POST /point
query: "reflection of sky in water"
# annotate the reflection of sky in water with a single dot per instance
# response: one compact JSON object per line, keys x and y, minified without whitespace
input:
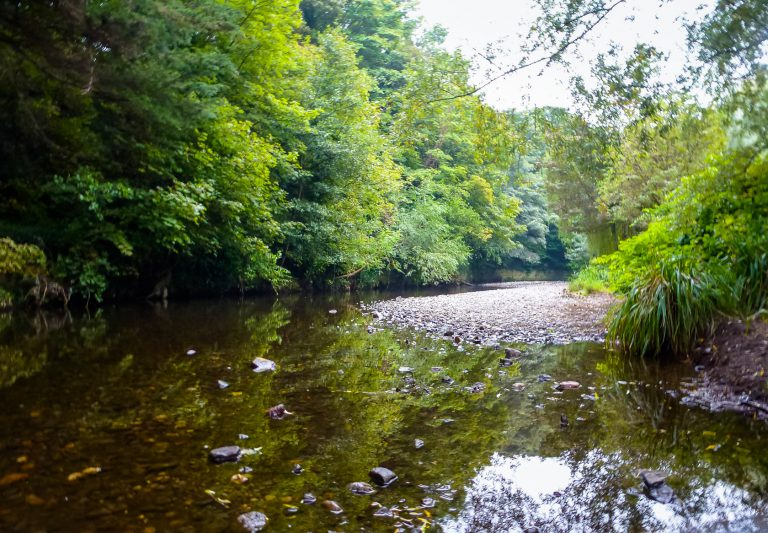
{"x":595,"y":492}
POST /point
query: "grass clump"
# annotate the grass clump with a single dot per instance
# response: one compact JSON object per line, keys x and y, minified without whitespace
{"x":666,"y":311}
{"x":592,"y":278}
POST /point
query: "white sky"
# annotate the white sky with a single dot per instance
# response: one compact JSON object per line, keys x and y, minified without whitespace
{"x":473,"y":24}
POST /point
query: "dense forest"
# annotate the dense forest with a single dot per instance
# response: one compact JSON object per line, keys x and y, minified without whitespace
{"x":216,"y":146}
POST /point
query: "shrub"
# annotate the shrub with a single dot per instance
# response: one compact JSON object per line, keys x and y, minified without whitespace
{"x":703,"y":255}
{"x":592,"y":278}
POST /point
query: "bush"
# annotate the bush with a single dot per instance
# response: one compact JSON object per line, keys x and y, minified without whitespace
{"x":703,"y":255}
{"x":19,"y":265}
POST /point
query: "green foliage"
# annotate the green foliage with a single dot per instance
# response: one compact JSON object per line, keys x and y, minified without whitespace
{"x":20,"y":264}
{"x":576,"y":160}
{"x":654,"y":154}
{"x":666,"y":310}
{"x":217,"y":146}
{"x":705,"y":254}
{"x":731,"y":39}
{"x":591,"y":278}
{"x":23,"y":260}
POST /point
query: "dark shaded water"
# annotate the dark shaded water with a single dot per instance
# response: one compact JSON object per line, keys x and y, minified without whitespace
{"x":117,"y":392}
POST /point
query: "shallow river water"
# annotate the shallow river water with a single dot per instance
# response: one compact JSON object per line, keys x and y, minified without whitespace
{"x":106,"y":425}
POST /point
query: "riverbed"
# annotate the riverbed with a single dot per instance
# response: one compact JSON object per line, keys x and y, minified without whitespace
{"x":109,"y":419}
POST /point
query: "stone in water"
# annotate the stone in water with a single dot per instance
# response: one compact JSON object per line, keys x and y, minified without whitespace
{"x":253,"y":521}
{"x":263,"y":365}
{"x":382,"y":476}
{"x":225,"y":454}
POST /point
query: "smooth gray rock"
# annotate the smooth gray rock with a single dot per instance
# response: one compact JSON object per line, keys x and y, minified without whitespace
{"x":653,"y":478}
{"x":225,"y":454}
{"x":382,"y":476}
{"x":662,"y":494}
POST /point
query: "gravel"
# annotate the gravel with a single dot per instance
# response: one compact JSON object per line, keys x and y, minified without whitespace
{"x":526,"y":312}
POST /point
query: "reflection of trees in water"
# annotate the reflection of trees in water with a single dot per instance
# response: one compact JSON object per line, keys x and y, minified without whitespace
{"x":602,"y":495}
{"x":24,"y":340}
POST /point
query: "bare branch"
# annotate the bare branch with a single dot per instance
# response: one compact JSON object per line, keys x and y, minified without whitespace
{"x":603,"y":13}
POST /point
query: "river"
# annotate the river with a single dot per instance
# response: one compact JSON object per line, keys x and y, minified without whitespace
{"x":108,"y":420}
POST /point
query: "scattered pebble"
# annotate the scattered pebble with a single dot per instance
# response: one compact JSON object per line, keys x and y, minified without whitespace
{"x":524,"y":312}
{"x":253,"y":521}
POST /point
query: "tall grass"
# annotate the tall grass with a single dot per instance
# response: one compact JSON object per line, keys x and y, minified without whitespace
{"x":749,"y":292}
{"x":667,"y":310}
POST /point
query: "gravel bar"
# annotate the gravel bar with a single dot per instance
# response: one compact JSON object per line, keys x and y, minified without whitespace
{"x":526,"y":312}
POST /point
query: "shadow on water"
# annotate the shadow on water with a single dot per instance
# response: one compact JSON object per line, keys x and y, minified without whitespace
{"x":107,"y":422}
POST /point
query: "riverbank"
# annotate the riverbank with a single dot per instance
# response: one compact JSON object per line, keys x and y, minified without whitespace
{"x":521,"y":312}
{"x":732,"y":367}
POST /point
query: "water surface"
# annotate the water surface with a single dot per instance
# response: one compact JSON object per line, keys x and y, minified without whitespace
{"x":107,"y":422}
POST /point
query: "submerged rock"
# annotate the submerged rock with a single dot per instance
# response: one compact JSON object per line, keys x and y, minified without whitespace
{"x":239,"y":479}
{"x":418,"y":444}
{"x":545,"y":377}
{"x":263,"y":365}
{"x":191,"y":352}
{"x":222,"y":384}
{"x":253,"y":521}
{"x":653,"y":478}
{"x":308,"y":498}
{"x":297,"y":469}
{"x":662,"y":494}
{"x":656,"y":487}
{"x":428,"y":503}
{"x":333,"y":507}
{"x":568,"y":385}
{"x":382,"y":476}
{"x":475,"y":388}
{"x":384,"y":512}
{"x":361,"y":488}
{"x":518,"y":387}
{"x":278,"y":412}
{"x":225,"y":454}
